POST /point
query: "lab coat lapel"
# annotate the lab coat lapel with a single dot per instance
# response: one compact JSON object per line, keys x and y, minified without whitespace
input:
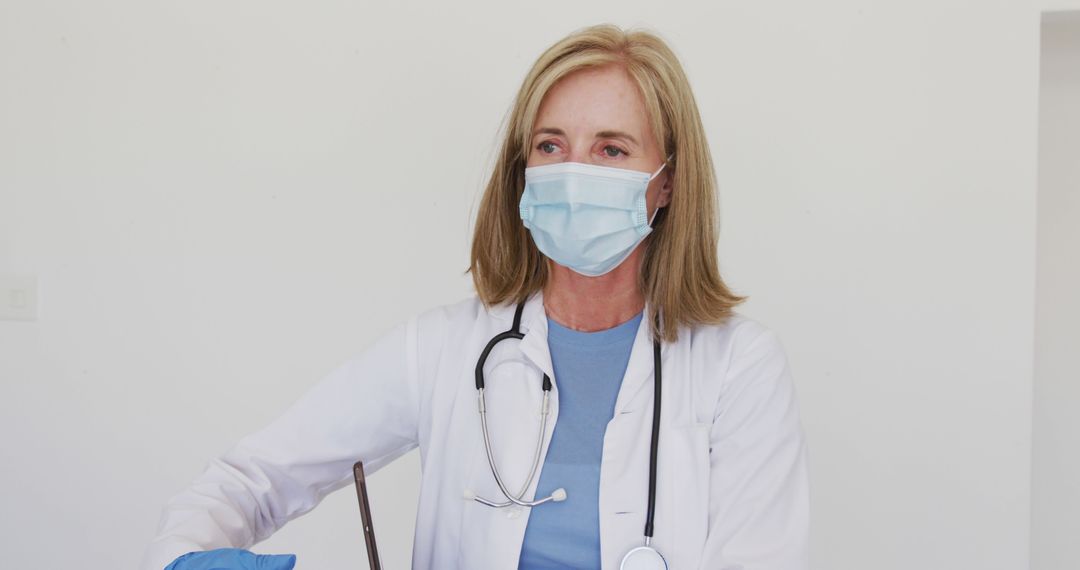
{"x":535,"y":344}
{"x":504,"y":529}
{"x":624,"y":473}
{"x":639,"y":368}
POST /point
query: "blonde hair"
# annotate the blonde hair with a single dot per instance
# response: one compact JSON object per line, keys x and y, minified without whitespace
{"x":679,"y":272}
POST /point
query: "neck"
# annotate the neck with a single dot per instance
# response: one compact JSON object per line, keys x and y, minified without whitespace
{"x":591,"y":304}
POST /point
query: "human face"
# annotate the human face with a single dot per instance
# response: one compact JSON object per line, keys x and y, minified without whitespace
{"x":597,"y":116}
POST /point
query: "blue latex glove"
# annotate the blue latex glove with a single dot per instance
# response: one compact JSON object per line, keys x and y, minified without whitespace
{"x":232,"y":559}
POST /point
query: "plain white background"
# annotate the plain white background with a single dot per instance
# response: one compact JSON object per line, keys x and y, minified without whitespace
{"x":222,"y":201}
{"x":1055,"y":499}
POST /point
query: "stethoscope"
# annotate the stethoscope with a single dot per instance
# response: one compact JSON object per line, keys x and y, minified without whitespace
{"x":643,"y":557}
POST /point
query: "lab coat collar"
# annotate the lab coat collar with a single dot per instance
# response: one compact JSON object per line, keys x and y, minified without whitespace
{"x":534,"y":346}
{"x":534,"y":324}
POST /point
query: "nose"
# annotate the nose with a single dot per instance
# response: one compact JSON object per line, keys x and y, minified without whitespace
{"x":578,"y":154}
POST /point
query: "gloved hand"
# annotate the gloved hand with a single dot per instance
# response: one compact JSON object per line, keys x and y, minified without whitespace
{"x":232,"y":559}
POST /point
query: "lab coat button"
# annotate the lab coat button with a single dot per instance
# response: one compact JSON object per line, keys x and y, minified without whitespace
{"x":514,"y":512}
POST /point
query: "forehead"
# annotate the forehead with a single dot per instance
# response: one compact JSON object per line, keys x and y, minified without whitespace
{"x":594,"y":98}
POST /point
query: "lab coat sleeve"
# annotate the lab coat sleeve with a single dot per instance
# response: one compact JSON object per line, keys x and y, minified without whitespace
{"x":365,"y":409}
{"x":759,"y":488}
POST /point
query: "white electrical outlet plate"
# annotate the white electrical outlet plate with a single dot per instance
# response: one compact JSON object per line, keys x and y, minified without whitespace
{"x":18,"y":297}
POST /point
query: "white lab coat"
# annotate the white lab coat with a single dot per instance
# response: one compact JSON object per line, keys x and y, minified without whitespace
{"x":732,"y":484}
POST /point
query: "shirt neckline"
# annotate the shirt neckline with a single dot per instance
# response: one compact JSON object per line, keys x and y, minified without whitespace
{"x":618,"y":333}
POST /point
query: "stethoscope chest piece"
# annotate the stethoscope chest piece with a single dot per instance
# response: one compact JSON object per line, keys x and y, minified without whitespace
{"x":643,"y":558}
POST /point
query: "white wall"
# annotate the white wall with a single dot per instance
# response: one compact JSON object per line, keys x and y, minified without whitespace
{"x":1056,"y":424}
{"x":224,"y":200}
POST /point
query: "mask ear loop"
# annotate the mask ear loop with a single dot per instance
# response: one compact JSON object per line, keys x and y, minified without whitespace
{"x":657,"y":210}
{"x":654,"y":174}
{"x":653,"y":217}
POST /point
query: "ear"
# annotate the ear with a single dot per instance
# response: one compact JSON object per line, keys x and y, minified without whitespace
{"x":664,"y":197}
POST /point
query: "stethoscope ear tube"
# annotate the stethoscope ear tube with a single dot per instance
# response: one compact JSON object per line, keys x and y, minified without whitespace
{"x":559,"y":494}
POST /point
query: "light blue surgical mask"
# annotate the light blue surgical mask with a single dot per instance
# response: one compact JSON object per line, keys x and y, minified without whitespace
{"x":586,"y":217}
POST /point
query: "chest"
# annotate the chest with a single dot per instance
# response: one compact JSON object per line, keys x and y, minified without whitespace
{"x":456,"y":461}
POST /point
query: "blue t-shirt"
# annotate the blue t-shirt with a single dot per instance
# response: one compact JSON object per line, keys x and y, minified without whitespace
{"x":589,"y":368}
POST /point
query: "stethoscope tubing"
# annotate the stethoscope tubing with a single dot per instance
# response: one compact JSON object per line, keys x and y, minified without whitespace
{"x":654,"y":446}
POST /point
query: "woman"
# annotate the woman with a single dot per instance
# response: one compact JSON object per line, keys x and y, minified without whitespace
{"x":596,"y":240}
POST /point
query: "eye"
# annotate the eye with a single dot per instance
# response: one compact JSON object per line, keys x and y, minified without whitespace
{"x":613,"y":151}
{"x":546,"y":147}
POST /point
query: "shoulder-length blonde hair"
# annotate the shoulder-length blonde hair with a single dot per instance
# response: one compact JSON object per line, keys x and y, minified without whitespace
{"x":679,"y":271}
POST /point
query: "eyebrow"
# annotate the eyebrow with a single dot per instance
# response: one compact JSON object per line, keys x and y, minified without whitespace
{"x":600,"y":134}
